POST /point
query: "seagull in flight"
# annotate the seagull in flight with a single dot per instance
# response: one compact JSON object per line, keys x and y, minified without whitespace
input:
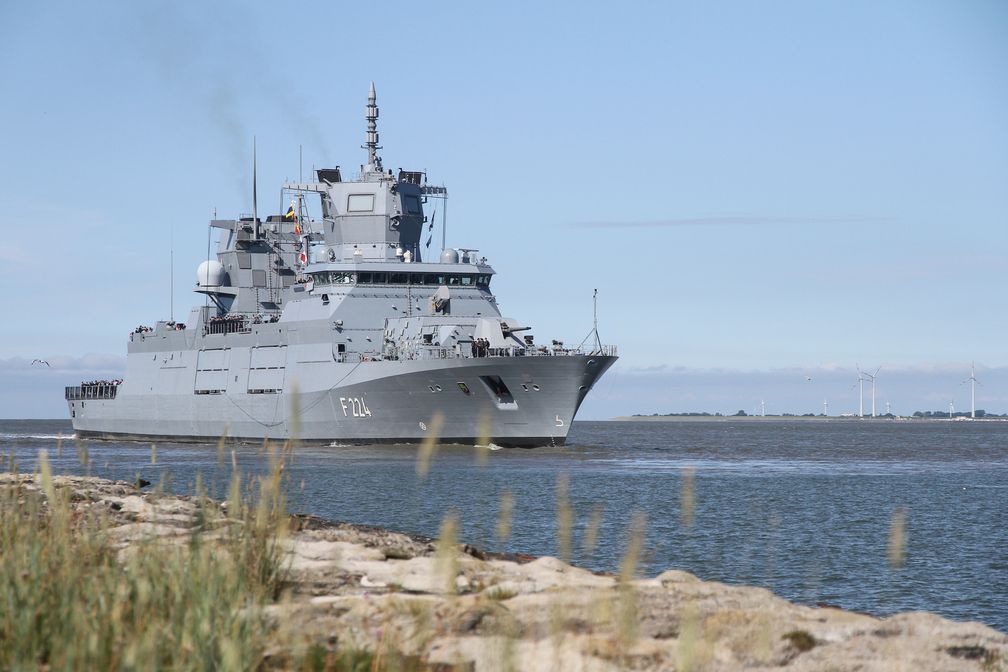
{"x":40,"y":362}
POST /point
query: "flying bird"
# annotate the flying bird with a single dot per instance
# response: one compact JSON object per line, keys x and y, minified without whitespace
{"x":808,"y":378}
{"x":40,"y":362}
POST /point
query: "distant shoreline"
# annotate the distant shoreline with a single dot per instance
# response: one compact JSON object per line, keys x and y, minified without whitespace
{"x":790,"y":418}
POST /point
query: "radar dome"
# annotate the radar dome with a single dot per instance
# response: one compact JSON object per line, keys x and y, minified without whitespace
{"x":449,"y":256}
{"x":210,"y":274}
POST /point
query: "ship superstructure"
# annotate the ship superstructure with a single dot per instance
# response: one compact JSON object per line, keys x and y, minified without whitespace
{"x":339,"y":328}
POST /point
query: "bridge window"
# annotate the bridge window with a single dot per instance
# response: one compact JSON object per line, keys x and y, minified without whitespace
{"x":360,"y":203}
{"x":467,"y":280}
{"x":342,"y":277}
{"x":364,"y":278}
{"x":398,"y":278}
{"x":379,"y":278}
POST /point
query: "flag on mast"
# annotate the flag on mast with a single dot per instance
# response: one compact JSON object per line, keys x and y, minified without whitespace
{"x":291,"y":215}
{"x":430,"y":227}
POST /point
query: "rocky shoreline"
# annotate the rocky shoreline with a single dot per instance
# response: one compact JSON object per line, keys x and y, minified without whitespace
{"x":416,"y":603}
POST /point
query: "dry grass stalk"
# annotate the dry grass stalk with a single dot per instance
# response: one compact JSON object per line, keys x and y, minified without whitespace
{"x":504,"y":515}
{"x":447,"y":565}
{"x":564,"y":517}
{"x":687,"y":504}
{"x":627,"y":608}
{"x":897,"y":538}
{"x":483,"y":440}
{"x":591,"y":533}
{"x":428,"y":447}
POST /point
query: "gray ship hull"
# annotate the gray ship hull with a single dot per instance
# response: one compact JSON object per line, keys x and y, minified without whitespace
{"x":365,"y":402}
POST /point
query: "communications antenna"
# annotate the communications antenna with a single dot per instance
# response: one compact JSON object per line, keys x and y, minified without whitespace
{"x":594,"y":330}
{"x":255,"y":209}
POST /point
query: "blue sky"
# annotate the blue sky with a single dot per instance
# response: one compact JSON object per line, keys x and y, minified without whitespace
{"x":758,"y":190}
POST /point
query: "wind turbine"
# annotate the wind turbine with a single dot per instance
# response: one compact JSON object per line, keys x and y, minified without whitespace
{"x":871,"y":377}
{"x":860,"y":384}
{"x":973,"y":383}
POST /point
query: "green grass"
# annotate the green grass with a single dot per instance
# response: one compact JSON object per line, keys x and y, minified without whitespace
{"x":68,"y":600}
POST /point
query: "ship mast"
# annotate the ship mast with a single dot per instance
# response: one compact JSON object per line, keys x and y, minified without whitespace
{"x":371,"y":138}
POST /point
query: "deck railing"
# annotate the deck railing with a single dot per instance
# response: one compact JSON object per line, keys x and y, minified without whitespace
{"x":96,"y":391}
{"x":437,"y":352}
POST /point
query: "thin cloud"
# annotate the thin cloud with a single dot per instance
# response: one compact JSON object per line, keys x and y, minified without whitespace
{"x":737,"y":220}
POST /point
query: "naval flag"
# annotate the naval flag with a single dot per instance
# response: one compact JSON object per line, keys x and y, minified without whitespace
{"x":430,"y":227}
{"x":291,"y":215}
{"x":303,"y":251}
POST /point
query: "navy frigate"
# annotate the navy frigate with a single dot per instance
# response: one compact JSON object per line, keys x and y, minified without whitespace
{"x":337,"y":329}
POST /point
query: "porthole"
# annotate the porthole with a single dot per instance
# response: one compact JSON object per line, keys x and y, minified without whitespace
{"x":591,"y":362}
{"x":536,"y":387}
{"x":525,"y":387}
{"x":437,"y":387}
{"x":462,"y":386}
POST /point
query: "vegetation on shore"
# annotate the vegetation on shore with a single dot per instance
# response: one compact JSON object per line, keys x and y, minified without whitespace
{"x":73,"y":597}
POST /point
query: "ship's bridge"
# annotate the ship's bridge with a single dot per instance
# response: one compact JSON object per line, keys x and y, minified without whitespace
{"x":428,"y":275}
{"x":372,"y":218}
{"x":375,"y":216}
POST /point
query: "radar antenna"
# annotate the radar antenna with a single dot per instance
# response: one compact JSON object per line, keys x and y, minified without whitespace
{"x":371,"y":138}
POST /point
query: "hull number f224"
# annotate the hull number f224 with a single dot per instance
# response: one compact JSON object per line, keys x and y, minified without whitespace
{"x":354,"y":407}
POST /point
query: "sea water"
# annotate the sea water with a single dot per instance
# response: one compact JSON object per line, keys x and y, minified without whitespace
{"x":804,"y":508}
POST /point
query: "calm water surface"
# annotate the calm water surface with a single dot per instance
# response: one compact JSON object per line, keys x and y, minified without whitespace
{"x":801,"y":508}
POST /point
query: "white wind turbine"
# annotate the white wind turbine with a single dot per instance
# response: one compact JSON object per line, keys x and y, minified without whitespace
{"x":860,"y":384}
{"x":973,"y":383}
{"x":871,"y":377}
